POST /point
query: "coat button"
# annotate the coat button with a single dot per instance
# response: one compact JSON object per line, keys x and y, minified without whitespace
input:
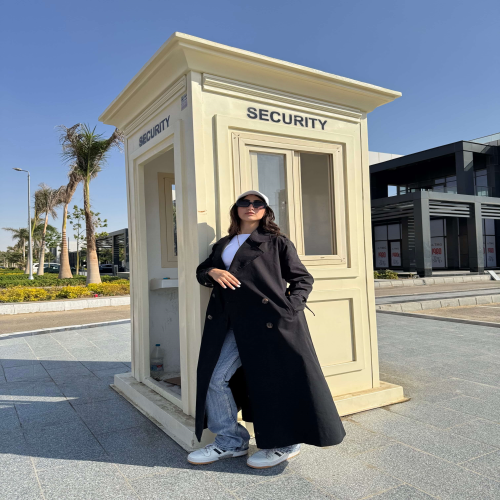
{"x":269,"y":325}
{"x":209,"y":317}
{"x":213,"y":294}
{"x":265,"y":301}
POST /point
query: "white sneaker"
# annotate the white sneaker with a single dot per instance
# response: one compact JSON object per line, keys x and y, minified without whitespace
{"x":264,"y":459}
{"x":212,"y":453}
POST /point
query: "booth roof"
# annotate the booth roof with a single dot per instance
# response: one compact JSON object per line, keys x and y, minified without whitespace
{"x":182,"y":53}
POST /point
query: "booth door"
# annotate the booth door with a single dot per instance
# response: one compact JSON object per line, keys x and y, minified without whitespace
{"x":307,"y":189}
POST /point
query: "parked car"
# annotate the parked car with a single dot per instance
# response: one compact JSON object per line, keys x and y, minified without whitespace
{"x":108,"y":268}
{"x":53,"y":267}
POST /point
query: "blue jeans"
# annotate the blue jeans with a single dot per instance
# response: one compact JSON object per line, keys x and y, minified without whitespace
{"x":222,"y":412}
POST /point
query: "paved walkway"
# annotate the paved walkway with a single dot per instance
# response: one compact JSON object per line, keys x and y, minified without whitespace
{"x":66,"y":434}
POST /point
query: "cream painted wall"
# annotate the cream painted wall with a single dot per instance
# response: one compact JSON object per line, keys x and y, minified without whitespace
{"x":163,"y":304}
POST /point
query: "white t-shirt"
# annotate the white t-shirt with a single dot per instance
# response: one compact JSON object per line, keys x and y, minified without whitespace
{"x":232,"y":248}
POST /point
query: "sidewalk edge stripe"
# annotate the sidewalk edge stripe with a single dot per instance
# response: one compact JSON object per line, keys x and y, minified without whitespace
{"x":65,"y":328}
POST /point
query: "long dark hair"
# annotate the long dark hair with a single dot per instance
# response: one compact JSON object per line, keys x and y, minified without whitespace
{"x":266,"y":224}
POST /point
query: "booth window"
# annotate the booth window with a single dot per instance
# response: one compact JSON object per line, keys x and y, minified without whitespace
{"x":304,"y":183}
{"x":168,"y":219}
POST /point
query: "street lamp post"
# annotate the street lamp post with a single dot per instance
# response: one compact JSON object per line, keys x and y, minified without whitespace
{"x":30,"y":253}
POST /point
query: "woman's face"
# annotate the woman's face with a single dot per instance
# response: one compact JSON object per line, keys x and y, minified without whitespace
{"x":249,"y":213}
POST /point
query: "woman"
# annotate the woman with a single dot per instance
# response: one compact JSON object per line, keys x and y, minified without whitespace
{"x":256,"y":352}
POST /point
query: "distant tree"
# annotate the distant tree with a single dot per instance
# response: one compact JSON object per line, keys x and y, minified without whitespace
{"x":76,"y":219}
{"x":52,"y":240}
{"x":47,"y":200}
{"x":21,"y":236}
{"x":67,"y":193}
{"x":88,"y":151}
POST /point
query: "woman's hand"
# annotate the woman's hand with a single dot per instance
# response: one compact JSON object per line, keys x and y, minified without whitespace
{"x":224,"y":278}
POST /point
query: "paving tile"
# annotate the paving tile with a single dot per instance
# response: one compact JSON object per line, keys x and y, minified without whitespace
{"x":76,"y":370}
{"x":431,"y":474}
{"x":482,"y":430}
{"x":181,"y":484}
{"x":358,"y":439}
{"x":287,"y":487}
{"x":486,"y":409}
{"x":341,"y":476}
{"x":403,"y":492}
{"x":487,"y":465}
{"x":430,"y":414}
{"x":50,"y":352}
{"x":42,"y":414}
{"x":95,"y":366}
{"x":143,"y":450}
{"x":110,"y":415}
{"x":31,"y":372}
{"x":56,"y":445}
{"x":18,"y":479}
{"x":6,"y":341}
{"x":8,"y":418}
{"x":81,"y":480}
{"x":90,"y":354}
{"x":235,"y":474}
{"x":88,"y":390}
{"x":58,"y":362}
{"x":107,"y":376}
{"x":424,"y":437}
{"x":32,"y":390}
{"x":19,"y":359}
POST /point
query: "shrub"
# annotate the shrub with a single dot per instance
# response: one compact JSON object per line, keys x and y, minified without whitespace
{"x":27,"y":294}
{"x":385,"y":275}
{"x":49,"y":280}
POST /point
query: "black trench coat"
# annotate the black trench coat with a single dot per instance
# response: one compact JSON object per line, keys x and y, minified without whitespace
{"x":280,"y":386}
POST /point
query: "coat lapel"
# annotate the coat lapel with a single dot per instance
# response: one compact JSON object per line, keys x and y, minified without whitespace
{"x":254,"y":246}
{"x":217,"y":259}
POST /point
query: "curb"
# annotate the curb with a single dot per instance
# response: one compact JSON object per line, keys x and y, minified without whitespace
{"x":442,"y":318}
{"x":62,"y":305}
{"x":64,"y":328}
{"x":380,"y":283}
{"x":403,"y":307}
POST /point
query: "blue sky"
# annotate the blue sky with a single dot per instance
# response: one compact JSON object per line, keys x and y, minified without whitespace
{"x":64,"y":62}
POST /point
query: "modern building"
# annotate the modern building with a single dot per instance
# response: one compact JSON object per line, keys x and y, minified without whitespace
{"x":437,"y":209}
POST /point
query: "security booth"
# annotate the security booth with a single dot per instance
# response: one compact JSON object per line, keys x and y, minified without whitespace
{"x":204,"y":122}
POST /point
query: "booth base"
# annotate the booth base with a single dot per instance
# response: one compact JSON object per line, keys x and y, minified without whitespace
{"x":180,"y":427}
{"x":166,"y":415}
{"x":354,"y":402}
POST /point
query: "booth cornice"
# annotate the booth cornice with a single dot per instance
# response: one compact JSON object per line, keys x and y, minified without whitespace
{"x":182,"y":53}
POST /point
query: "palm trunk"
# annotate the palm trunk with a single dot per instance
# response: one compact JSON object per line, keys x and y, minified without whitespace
{"x":65,"y":268}
{"x":93,"y":275}
{"x":41,"y":259}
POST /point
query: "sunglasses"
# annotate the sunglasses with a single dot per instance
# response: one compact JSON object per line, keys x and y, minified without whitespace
{"x":256,"y":204}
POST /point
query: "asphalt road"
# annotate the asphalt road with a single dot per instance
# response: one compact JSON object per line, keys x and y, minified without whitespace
{"x":10,"y":323}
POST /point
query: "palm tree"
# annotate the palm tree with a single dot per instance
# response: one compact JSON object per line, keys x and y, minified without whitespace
{"x":48,"y":200}
{"x":67,"y":192}
{"x":20,"y":235}
{"x":88,"y":151}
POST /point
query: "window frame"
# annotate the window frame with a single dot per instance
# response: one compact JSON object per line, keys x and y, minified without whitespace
{"x":245,"y":143}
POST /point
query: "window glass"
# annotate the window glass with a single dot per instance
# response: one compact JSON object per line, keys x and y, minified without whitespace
{"x":392,"y":190}
{"x":402,"y":189}
{"x":489,"y":226}
{"x":393,"y":232}
{"x":272,"y":182}
{"x":316,"y":186}
{"x":437,"y":228}
{"x":380,"y":232}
